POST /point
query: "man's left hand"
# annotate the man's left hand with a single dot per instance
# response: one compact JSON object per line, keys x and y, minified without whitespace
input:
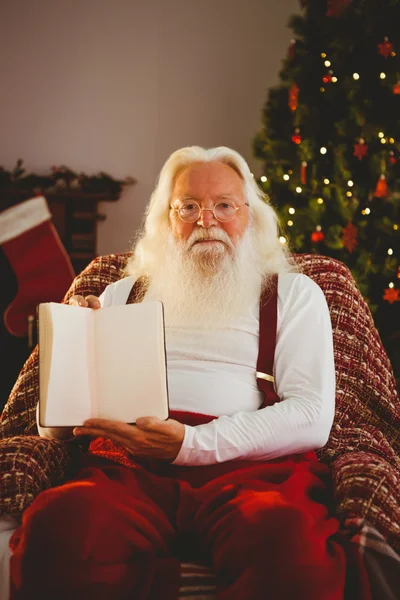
{"x":148,"y":438}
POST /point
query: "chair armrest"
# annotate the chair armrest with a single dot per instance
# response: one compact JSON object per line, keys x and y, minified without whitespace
{"x":367,"y":485}
{"x":30,"y":465}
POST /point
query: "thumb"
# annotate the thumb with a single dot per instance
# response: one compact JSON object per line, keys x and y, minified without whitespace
{"x":148,"y":423}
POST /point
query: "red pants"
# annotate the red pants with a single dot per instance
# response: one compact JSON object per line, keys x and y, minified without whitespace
{"x":116,"y":533}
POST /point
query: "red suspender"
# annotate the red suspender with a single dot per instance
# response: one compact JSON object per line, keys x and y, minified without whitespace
{"x":267,"y":341}
{"x":137,"y":292}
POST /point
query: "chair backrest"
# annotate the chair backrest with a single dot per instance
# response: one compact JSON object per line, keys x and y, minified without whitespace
{"x":366,"y":395}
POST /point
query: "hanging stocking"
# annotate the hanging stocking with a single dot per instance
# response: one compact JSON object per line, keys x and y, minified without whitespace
{"x":37,"y":257}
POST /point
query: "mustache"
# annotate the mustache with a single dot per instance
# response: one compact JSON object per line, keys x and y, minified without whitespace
{"x":213,"y":233}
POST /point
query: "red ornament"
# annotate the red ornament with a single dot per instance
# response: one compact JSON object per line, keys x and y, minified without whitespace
{"x":386,"y":48}
{"x":349,"y":237}
{"x":296,"y":137}
{"x":317,"y":236}
{"x":328,"y":77}
{"x":381,"y":189}
{"x":392,"y":158}
{"x":396,"y":88}
{"x":303,"y":172}
{"x":293,"y":97}
{"x":391,"y":295}
{"x":335,"y":8}
{"x":360,"y":149}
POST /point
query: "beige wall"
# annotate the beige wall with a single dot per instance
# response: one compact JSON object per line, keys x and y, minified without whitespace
{"x":117,"y":85}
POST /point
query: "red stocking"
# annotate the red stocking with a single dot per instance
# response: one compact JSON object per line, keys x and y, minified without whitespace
{"x":38,"y":259}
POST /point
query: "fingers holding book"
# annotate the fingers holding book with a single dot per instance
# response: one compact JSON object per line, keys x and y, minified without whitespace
{"x":86,"y":302}
{"x":149,"y":438}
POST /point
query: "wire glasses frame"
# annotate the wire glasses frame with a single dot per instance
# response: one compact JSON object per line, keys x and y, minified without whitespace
{"x":190,"y":212}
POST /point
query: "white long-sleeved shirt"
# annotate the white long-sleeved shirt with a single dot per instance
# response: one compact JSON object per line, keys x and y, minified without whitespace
{"x":214,"y":372}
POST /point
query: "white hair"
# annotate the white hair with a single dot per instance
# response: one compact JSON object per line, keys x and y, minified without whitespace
{"x":274,"y":256}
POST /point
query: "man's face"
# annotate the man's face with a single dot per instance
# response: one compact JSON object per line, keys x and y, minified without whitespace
{"x":207,"y":184}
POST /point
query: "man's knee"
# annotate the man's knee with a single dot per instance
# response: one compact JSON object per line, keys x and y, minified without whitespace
{"x":62,"y":513}
{"x":264,"y":524}
{"x":68,"y":500}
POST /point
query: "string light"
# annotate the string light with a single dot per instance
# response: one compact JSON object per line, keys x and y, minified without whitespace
{"x":318,"y":228}
{"x":292,"y":210}
{"x":321,"y":89}
{"x":391,"y":285}
{"x":323,"y":150}
{"x":391,"y":140}
{"x":383,"y":140}
{"x":286,"y":177}
{"x":327,"y":63}
{"x":349,"y":194}
{"x":323,"y":55}
{"x":395,"y":227}
{"x":263,"y":178}
{"x":290,"y":223}
{"x":356,"y":76}
{"x":334,"y":79}
{"x":326,"y":181}
{"x":381,"y":134}
{"x":366,"y":211}
{"x":390,"y":251}
{"x":282,"y":240}
{"x":320,"y":201}
{"x":350,"y":183}
{"x":299,"y":190}
{"x":382,"y":75}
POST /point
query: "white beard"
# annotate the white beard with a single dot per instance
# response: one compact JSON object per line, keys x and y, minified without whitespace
{"x":206,"y":284}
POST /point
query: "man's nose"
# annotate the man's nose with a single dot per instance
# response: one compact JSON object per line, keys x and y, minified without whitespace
{"x":206,"y":218}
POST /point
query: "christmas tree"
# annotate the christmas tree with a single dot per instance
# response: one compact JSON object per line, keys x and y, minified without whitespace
{"x":330,"y":146}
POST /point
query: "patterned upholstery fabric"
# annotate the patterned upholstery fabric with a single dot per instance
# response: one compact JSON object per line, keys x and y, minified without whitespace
{"x":363,"y":448}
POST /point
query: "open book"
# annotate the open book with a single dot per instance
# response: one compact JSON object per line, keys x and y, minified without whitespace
{"x":107,"y":363}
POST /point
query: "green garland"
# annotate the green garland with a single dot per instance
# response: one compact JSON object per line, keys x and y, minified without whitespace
{"x":60,"y":180}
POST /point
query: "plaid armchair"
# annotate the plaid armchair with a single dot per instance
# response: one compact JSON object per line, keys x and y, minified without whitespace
{"x":364,"y":445}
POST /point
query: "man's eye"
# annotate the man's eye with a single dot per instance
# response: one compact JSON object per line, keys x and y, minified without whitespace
{"x":188,"y":207}
{"x":225,"y":205}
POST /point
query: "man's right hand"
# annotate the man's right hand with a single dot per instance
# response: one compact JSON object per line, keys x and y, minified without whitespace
{"x":87,"y":302}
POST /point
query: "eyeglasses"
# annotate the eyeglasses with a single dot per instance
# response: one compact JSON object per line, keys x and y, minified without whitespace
{"x":190,"y":212}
